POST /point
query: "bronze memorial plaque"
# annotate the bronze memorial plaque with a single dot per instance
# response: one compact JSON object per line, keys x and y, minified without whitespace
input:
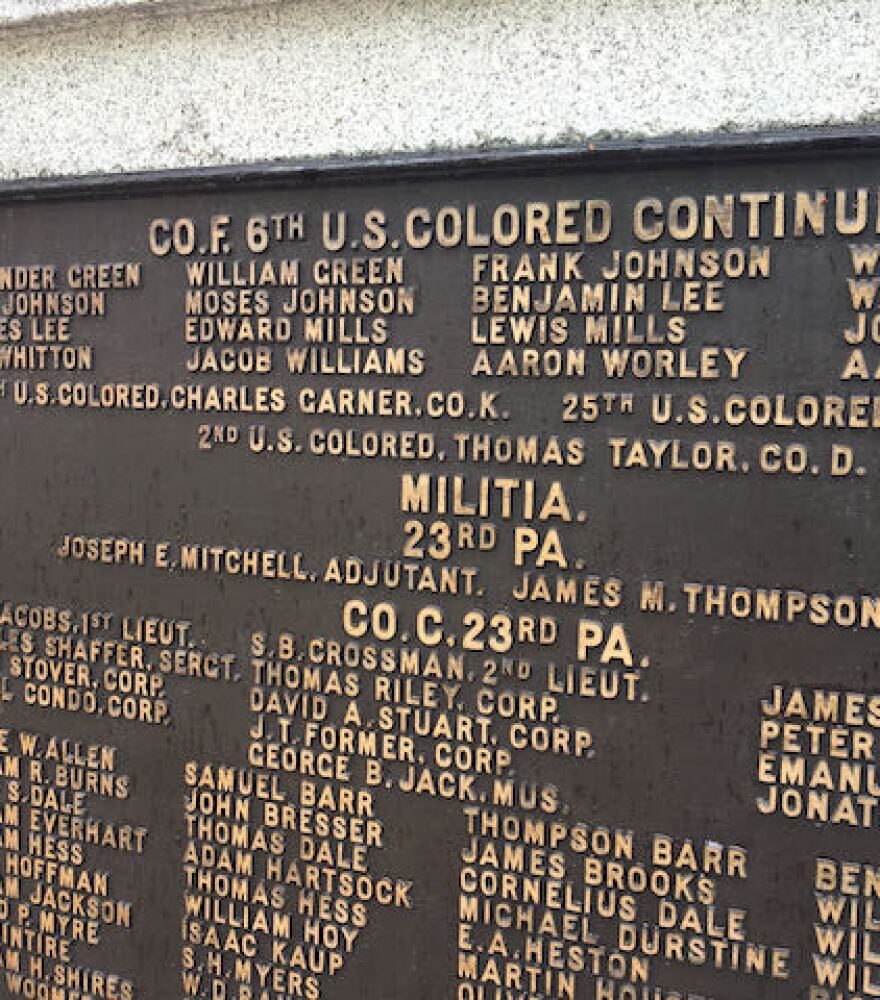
{"x":444,"y":580}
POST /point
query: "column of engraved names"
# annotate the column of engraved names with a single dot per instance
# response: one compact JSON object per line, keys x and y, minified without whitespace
{"x":59,"y":901}
{"x":97,"y":663}
{"x":846,"y":956}
{"x":556,"y":907}
{"x":50,"y":316}
{"x":244,"y":933}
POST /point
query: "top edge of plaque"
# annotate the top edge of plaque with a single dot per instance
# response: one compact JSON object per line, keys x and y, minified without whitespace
{"x":600,"y":154}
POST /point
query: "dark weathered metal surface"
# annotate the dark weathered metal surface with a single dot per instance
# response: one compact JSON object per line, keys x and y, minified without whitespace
{"x":443,"y":586}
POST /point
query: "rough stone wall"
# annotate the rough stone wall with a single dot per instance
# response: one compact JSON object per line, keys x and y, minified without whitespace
{"x":120,"y":85}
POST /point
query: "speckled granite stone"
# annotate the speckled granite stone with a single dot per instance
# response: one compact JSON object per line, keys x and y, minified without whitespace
{"x":120,"y":85}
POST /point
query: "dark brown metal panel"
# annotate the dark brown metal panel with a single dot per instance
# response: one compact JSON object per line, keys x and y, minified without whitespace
{"x":443,"y":579}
